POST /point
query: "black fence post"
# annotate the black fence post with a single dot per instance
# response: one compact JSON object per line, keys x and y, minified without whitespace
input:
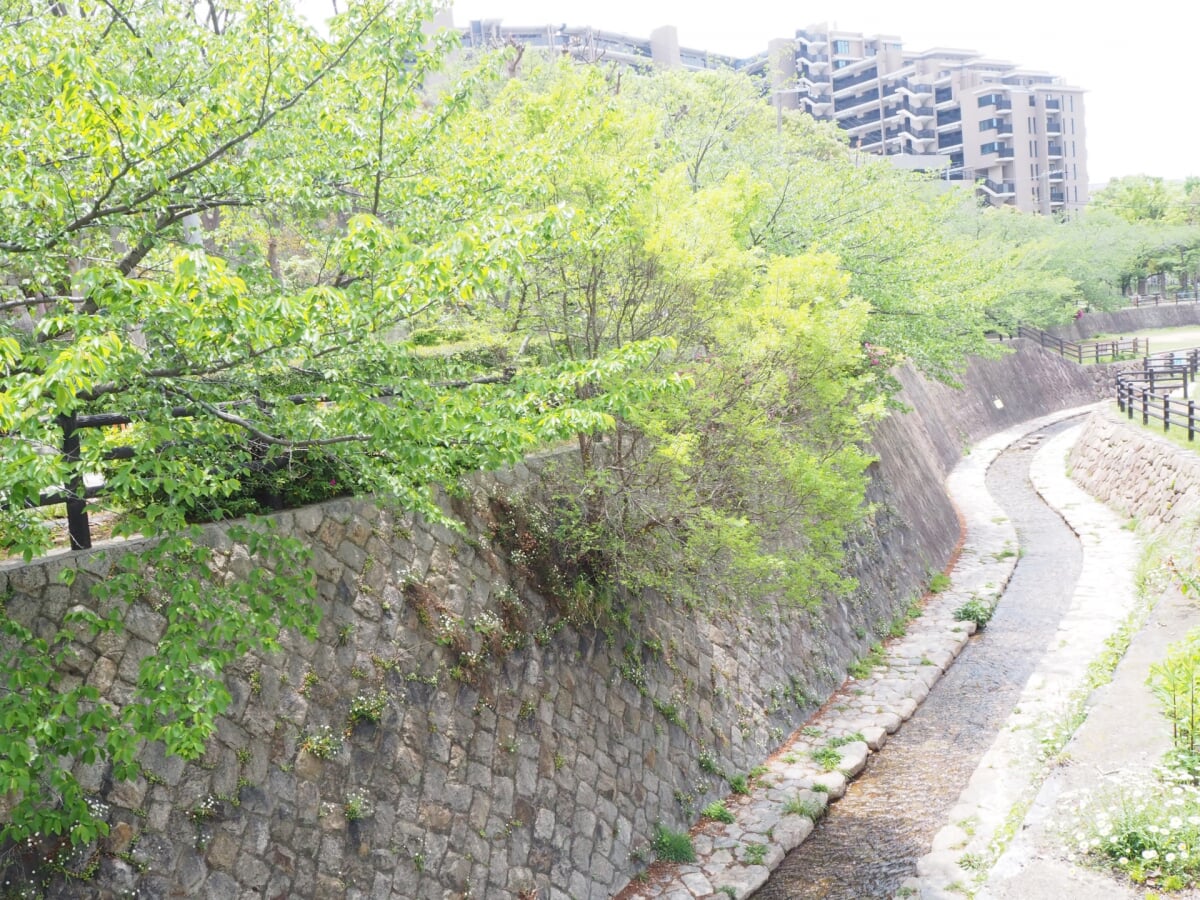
{"x":1191,"y":420}
{"x":77,"y":517}
{"x":1166,"y":412}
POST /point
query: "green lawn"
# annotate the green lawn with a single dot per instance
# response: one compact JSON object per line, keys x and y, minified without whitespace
{"x":1162,"y":338}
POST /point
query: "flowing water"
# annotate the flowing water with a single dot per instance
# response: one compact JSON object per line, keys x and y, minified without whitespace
{"x":871,"y":839}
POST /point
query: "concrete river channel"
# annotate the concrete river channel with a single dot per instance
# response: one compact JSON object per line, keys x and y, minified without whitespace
{"x":872,"y":838}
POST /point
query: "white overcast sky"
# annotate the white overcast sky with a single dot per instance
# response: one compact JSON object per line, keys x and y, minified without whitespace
{"x":1139,"y":62}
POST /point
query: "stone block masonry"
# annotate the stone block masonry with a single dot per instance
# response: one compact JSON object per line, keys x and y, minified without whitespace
{"x":441,"y":739}
{"x":1142,"y":474}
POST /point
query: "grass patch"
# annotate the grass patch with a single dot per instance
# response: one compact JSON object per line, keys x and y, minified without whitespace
{"x":756,"y":854}
{"x":673,"y":846}
{"x":1149,"y":833}
{"x":863,"y":667}
{"x":827,"y":758}
{"x":974,"y":610}
{"x":718,"y":812}
{"x":845,"y":739}
{"x":938,"y":582}
{"x":805,"y":806}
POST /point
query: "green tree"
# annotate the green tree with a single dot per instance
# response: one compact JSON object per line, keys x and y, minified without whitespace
{"x":151,"y":159}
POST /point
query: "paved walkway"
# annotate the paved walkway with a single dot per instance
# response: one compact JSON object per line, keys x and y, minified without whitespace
{"x":735,"y":859}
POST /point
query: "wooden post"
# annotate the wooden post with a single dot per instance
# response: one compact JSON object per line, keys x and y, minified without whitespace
{"x":1191,"y":420}
{"x":1166,"y":412}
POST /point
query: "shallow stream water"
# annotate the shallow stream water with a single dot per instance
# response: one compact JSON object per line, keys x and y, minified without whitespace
{"x":872,"y":838}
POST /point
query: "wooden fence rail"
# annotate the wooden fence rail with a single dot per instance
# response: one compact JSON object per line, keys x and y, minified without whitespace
{"x":1192,"y":296}
{"x":1160,"y":390}
{"x":1087,"y":351}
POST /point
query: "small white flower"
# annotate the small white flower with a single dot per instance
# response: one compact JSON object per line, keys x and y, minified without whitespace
{"x":1149,"y":854}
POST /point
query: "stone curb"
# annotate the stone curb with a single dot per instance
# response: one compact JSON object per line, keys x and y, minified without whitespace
{"x":992,"y":804}
{"x":734,"y":860}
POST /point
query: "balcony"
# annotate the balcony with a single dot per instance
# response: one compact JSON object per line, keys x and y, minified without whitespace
{"x":1054,"y":150}
{"x":999,"y":188}
{"x":869,"y":118}
{"x":1057,"y":197}
{"x":952,"y":139}
{"x":844,"y":84}
{"x":997,"y":148}
{"x":1054,"y":126}
{"x":949,"y":116}
{"x":943,"y":95}
{"x":850,"y":102}
{"x":1053,"y":104}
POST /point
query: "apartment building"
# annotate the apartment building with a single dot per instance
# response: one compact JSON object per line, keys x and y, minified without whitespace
{"x":588,"y":44}
{"x":1018,"y":135}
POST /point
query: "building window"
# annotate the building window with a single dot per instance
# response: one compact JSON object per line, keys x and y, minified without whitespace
{"x":841,"y":46}
{"x":1032,"y":101}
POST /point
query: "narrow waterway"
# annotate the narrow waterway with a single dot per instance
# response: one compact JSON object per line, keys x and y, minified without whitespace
{"x":871,"y":839}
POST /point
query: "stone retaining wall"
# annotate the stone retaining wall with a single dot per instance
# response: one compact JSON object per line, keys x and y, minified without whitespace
{"x":545,"y":770}
{"x":1142,"y":474}
{"x":1127,"y":321}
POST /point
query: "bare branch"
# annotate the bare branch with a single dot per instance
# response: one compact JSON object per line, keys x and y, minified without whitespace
{"x":256,"y":432}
